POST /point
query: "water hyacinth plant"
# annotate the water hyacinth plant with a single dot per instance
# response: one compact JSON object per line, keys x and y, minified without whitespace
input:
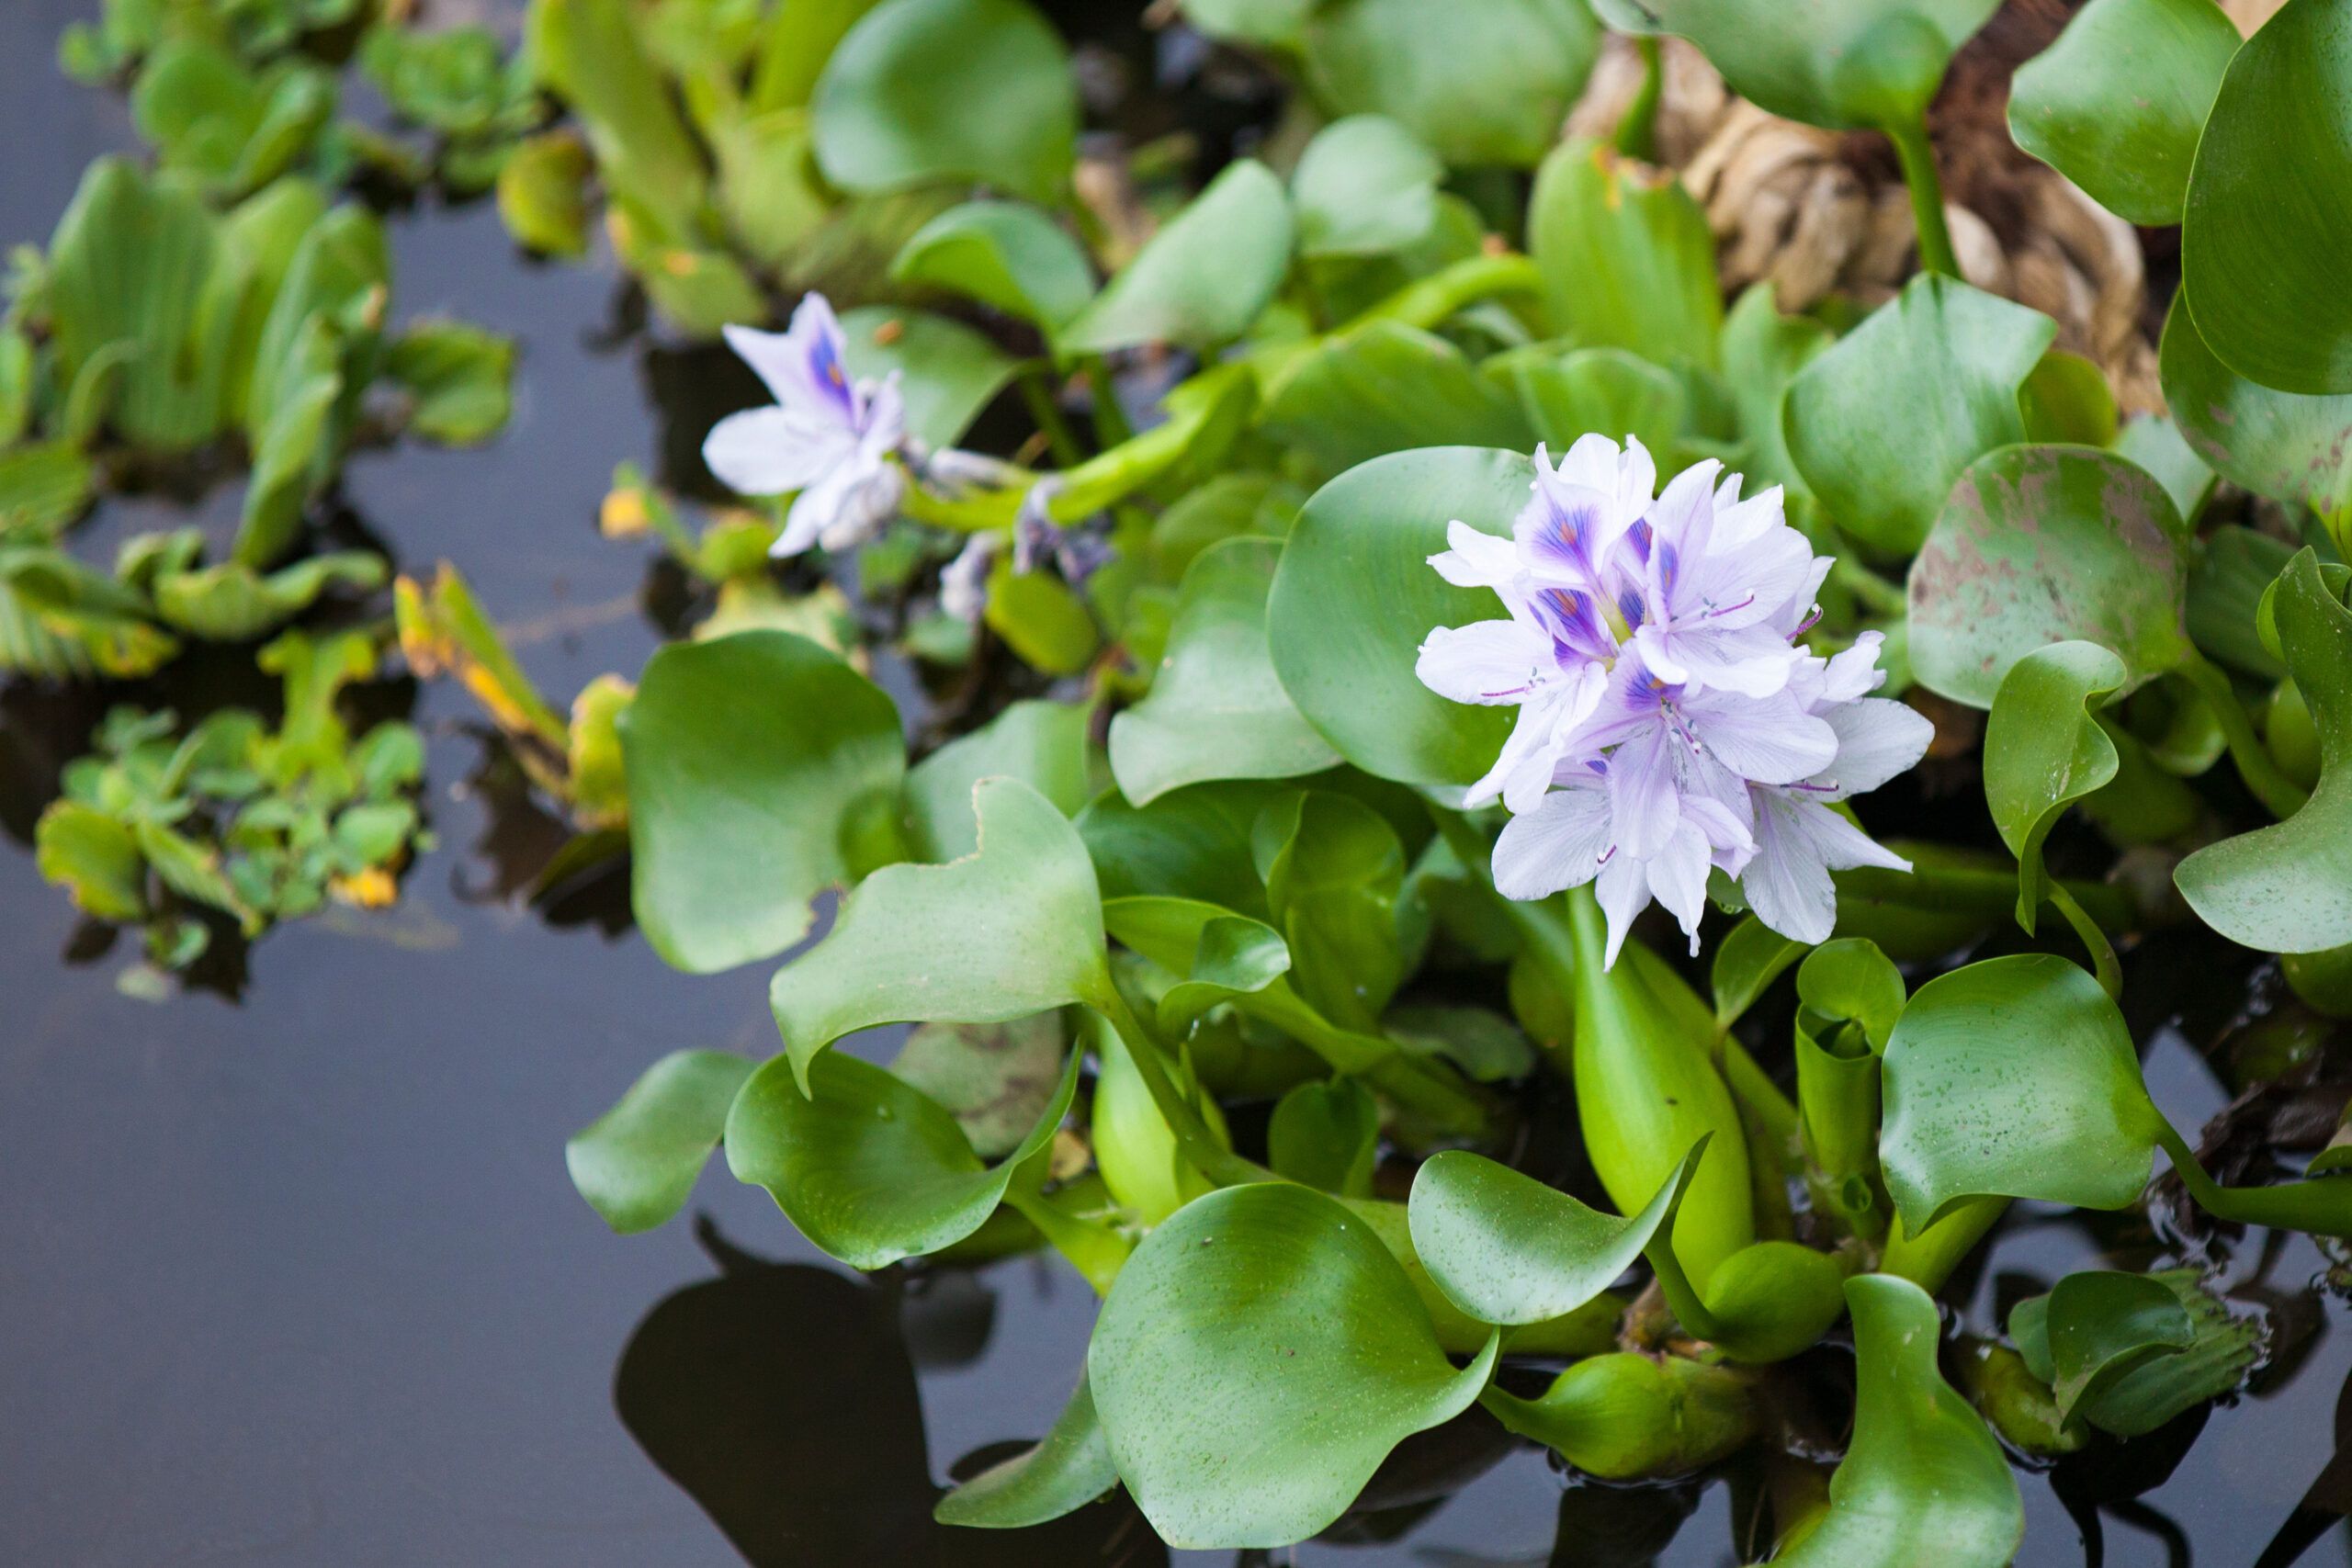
{"x":1358,"y":735}
{"x":1196,"y":672}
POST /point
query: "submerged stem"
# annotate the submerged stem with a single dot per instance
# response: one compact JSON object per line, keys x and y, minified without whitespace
{"x":1918,"y":160}
{"x":2280,"y":794}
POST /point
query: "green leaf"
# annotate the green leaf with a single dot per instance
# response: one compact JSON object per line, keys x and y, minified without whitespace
{"x":1763,"y":351}
{"x":1041,"y":619}
{"x":2288,"y":888}
{"x":543,"y":193}
{"x":1884,"y":421}
{"x":2117,"y":103}
{"x":2044,"y":750}
{"x":1841,"y":63}
{"x":2103,"y":1323}
{"x":1363,"y":187}
{"x":1013,"y":929}
{"x":2283,"y":445}
{"x":1923,"y":1479}
{"x":2157,"y":443}
{"x":1215,"y":709}
{"x":1260,"y":1355}
{"x":1334,"y":869}
{"x":1204,"y":277}
{"x":1042,"y":744}
{"x":924,"y":91}
{"x":947,"y":372}
{"x":1004,"y":254}
{"x":1069,"y":1467}
{"x":994,"y":1079}
{"x":459,"y":376}
{"x":1355,"y":596}
{"x":1484,"y":83}
{"x":93,"y":857}
{"x":1612,"y":391}
{"x":589,"y":53}
{"x":2266,"y":228}
{"x":2041,"y":544}
{"x":638,"y":1162}
{"x":1629,"y":1417}
{"x":231,"y":602}
{"x":1386,"y":387}
{"x":1326,"y":1136}
{"x":2168,"y":1379}
{"x":870,"y":1168}
{"x":752,"y":760}
{"x":2014,"y":1077}
{"x":1275,"y":23}
{"x":1627,"y":258}
{"x":1748,"y":959}
{"x":2067,"y":400}
{"x":1194,"y":843}
{"x":45,"y":485}
{"x":1508,"y":1249}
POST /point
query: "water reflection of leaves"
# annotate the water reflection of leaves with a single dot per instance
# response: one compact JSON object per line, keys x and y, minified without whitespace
{"x":781,"y":1397}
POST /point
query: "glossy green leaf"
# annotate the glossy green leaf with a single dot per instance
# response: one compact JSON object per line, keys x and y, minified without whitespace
{"x":870,"y":1168}
{"x":2067,"y":400}
{"x":2047,"y":544}
{"x":1202,"y":278}
{"x":1923,"y":1479}
{"x":1748,"y":959}
{"x":1194,"y":843}
{"x":1355,"y":596}
{"x":752,"y":762}
{"x":93,"y":856}
{"x":2044,"y":750}
{"x":1762,"y":353}
{"x":1366,"y":184}
{"x":1326,"y":1136}
{"x":1613,"y":390}
{"x":1275,"y":22}
{"x":1334,"y":869}
{"x":1386,"y":387}
{"x":1042,"y":744}
{"x":1841,"y":63}
{"x":1142,"y":1164}
{"x":1508,"y":1249}
{"x":1884,"y":421}
{"x":1628,"y":1417}
{"x":2015,"y":1077}
{"x":2284,"y":444}
{"x":637,"y":1164}
{"x":1041,"y":619}
{"x":1485,"y":84}
{"x":1260,"y":1355}
{"x":1215,"y":709}
{"x":1004,"y":254}
{"x":1627,"y":258}
{"x":1069,"y":1467}
{"x":2288,"y":888}
{"x":946,"y":371}
{"x":2116,"y":104}
{"x":2102,"y":1324}
{"x":923,"y":91}
{"x":2155,"y":442}
{"x":1011,"y":930}
{"x":543,"y":193}
{"x":994,"y":1079}
{"x":230,"y":602}
{"x":2267,"y":226}
{"x":2168,"y":1378}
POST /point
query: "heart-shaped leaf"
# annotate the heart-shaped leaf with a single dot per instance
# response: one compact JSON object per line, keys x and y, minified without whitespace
{"x":1627,"y":258}
{"x":1069,"y":1467}
{"x":2043,"y":750}
{"x":2284,"y":444}
{"x":993,"y":1078}
{"x":1042,"y":744}
{"x":1763,"y":351}
{"x":1334,"y":870}
{"x":2116,"y":104}
{"x":1884,"y":421}
{"x":1013,"y":929}
{"x":1485,"y":83}
{"x":2288,"y":888}
{"x":1923,"y":1479}
{"x":1193,"y":843}
{"x":1202,"y":278}
{"x":1216,"y":710}
{"x":638,"y":1162}
{"x":752,"y":759}
{"x":1364,"y":186}
{"x":1841,"y":63}
{"x":2267,"y":230}
{"x":2041,"y":544}
{"x":924,"y":91}
{"x":869,"y":1167}
{"x":1259,"y":1355}
{"x":1004,"y":254}
{"x":2014,"y":1077}
{"x":1355,"y":596}
{"x":1508,"y":1249}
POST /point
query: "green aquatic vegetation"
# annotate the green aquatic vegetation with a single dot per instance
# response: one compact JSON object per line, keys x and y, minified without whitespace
{"x":165,"y":826}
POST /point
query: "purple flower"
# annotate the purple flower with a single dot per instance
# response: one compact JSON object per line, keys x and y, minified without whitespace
{"x":835,"y":440}
{"x":1670,"y":723}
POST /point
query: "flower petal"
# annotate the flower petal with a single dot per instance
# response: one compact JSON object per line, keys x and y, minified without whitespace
{"x":1785,"y":884}
{"x":1877,"y":738}
{"x":1556,"y":845}
{"x":1475,"y":558}
{"x":1644,"y":806}
{"x":1764,"y":739}
{"x":1678,"y":879}
{"x":1623,"y":890}
{"x":768,"y":452}
{"x":1488,"y":662}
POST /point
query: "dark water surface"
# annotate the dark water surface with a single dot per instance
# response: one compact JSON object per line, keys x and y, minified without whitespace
{"x":297,"y":1278}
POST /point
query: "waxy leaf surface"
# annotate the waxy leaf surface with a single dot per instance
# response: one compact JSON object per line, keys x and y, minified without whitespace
{"x":2043,"y":750}
{"x":1069,"y":1467}
{"x":2287,"y":446}
{"x":1202,"y":278}
{"x":637,"y":1164}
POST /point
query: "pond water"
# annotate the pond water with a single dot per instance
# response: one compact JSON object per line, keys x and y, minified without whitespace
{"x":293,"y":1270}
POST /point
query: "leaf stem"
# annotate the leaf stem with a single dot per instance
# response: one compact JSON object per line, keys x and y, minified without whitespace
{"x":1928,"y":1258}
{"x":1111,"y":427}
{"x":1442,"y":293}
{"x":1200,"y":1146}
{"x":2280,"y":794}
{"x":2109,"y":973}
{"x":1875,"y":592}
{"x":1637,"y":131}
{"x":2321,"y":1204}
{"x":1037,"y":394}
{"x":1919,"y":159}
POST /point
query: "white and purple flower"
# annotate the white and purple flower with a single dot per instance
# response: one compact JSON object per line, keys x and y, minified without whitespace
{"x":1671,"y":722}
{"x":836,"y":440}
